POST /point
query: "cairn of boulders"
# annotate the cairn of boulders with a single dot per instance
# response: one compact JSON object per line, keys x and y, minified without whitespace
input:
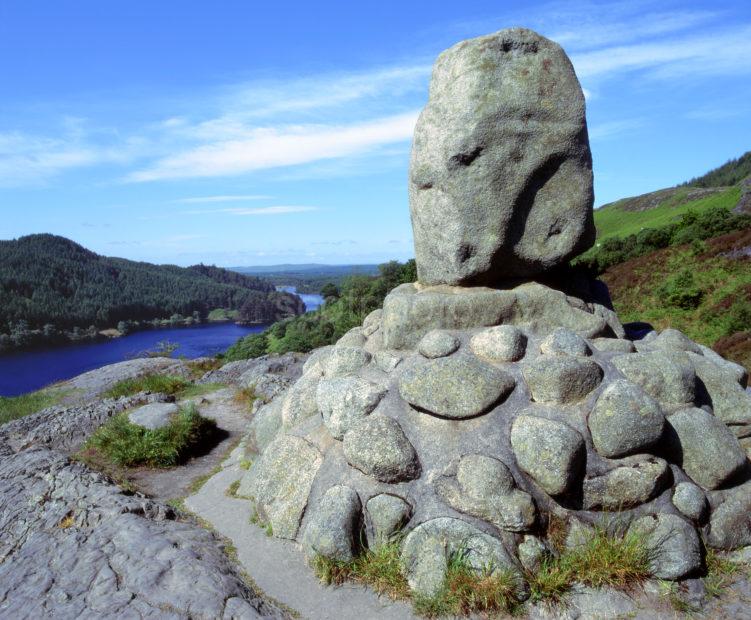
{"x":479,"y":403}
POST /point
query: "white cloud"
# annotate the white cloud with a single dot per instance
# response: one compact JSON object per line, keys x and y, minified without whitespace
{"x":610,"y":129}
{"x":231,"y":198}
{"x":277,"y":210}
{"x":273,"y":147}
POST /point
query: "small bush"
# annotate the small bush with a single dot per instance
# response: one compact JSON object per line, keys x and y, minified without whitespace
{"x":164,"y":384}
{"x":721,"y":573}
{"x":606,"y":559}
{"x":681,"y":291}
{"x":128,"y":445}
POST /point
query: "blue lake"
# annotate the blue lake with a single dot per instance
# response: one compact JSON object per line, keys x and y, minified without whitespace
{"x":31,"y":370}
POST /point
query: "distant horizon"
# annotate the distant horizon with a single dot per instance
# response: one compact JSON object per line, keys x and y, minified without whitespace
{"x":284,"y":137}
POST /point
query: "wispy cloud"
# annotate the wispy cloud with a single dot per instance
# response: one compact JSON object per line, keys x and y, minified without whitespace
{"x":276,"y":210}
{"x":231,"y":198}
{"x":266,"y":148}
{"x":610,"y":129}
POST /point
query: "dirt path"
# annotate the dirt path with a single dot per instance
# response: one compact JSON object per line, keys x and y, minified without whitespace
{"x":232,"y":419}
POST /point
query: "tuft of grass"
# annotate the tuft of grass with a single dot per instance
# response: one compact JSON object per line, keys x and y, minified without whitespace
{"x":165,"y":384}
{"x":67,"y":522}
{"x":14,"y":407}
{"x":721,"y":573}
{"x":199,"y":389}
{"x":129,"y":445}
{"x":247,"y":396}
{"x":466,"y":592}
{"x":198,"y":368}
{"x":605,"y":559}
{"x":232,"y":489}
{"x":245,"y":464}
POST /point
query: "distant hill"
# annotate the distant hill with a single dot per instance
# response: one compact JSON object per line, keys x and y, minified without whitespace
{"x":730,"y":173}
{"x":309,"y":278}
{"x":53,"y":284}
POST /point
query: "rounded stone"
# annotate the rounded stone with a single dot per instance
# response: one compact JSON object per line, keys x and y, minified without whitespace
{"x":377,"y":446}
{"x":551,"y":452}
{"x":460,"y":386}
{"x":437,"y":343}
{"x":503,"y":343}
{"x":561,"y":380}
{"x":500,"y":179}
{"x":704,"y":447}
{"x":625,"y":420}
{"x":344,"y":400}
{"x":674,"y":340}
{"x":626,"y":486}
{"x":333,"y":525}
{"x":690,"y":500}
{"x":730,"y":523}
{"x":154,"y":415}
{"x":300,"y":401}
{"x":614,"y":345}
{"x":343,"y":360}
{"x":386,"y":515}
{"x":565,"y":342}
{"x":665,"y":377}
{"x":675,"y":550}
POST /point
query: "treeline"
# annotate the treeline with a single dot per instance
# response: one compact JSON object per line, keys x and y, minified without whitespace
{"x":691,"y":228}
{"x":346,"y":306}
{"x":730,"y":173}
{"x":58,"y":289}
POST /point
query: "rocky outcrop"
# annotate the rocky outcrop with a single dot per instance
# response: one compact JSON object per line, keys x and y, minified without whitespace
{"x":500,"y":181}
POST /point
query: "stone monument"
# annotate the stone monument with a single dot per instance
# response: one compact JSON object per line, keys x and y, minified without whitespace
{"x":478,"y":405}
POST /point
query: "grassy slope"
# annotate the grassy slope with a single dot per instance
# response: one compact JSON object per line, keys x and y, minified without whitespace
{"x":617,"y":220}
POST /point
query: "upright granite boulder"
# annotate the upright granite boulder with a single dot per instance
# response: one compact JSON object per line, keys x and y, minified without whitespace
{"x":500,"y":179}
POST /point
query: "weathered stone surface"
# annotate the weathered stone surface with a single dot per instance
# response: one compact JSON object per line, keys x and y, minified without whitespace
{"x":501,"y":172}
{"x":553,"y":379}
{"x":484,"y":487}
{"x":265,"y":425}
{"x":427,"y":548}
{"x":708,"y":452}
{"x":730,"y":523}
{"x":313,"y":366}
{"x":410,"y":311}
{"x":739,"y":372}
{"x":437,"y":343}
{"x":614,"y":345}
{"x":667,"y":378}
{"x":372,"y":322}
{"x":386,"y":360}
{"x":504,"y":343}
{"x":377,"y":446}
{"x":690,"y":500}
{"x":386,"y":514}
{"x":333,"y":528}
{"x":153,"y":415}
{"x":532,"y":551}
{"x":353,"y":338}
{"x":300,"y":401}
{"x":626,"y":486}
{"x":89,"y":551}
{"x":267,"y":387}
{"x":344,"y":400}
{"x":279,"y":482}
{"x":674,"y":546}
{"x":730,"y":402}
{"x":460,"y":386}
{"x":564,"y":342}
{"x":674,"y":340}
{"x":551,"y":452}
{"x":625,"y":420}
{"x":343,"y":360}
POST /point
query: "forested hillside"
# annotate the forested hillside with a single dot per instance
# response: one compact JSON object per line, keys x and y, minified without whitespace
{"x":57,"y":288}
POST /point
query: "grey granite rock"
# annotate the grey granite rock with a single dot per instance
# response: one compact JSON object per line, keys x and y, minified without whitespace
{"x":614,"y":345}
{"x":704,"y":447}
{"x":372,"y":322}
{"x":554,"y":379}
{"x":300,"y":401}
{"x":501,"y":171}
{"x":484,"y":487}
{"x":690,"y":500}
{"x":333,"y":528}
{"x":667,"y":378}
{"x":625,"y":420}
{"x":427,"y":548}
{"x":344,"y":400}
{"x":385,"y":514}
{"x":386,"y":360}
{"x":279,"y":482}
{"x":564,"y":342}
{"x":674,"y":340}
{"x":264,"y":426}
{"x":377,"y":446}
{"x":344,"y":360}
{"x":631,"y":484}
{"x":154,"y":415}
{"x":551,"y":452}
{"x":730,"y":402}
{"x":460,"y":386}
{"x":730,"y":523}
{"x":532,"y":551}
{"x":353,"y":338}
{"x":437,"y":343}
{"x":674,"y":547}
{"x":504,"y":343}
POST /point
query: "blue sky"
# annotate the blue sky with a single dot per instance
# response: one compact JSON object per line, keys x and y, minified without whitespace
{"x":243,"y":133}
